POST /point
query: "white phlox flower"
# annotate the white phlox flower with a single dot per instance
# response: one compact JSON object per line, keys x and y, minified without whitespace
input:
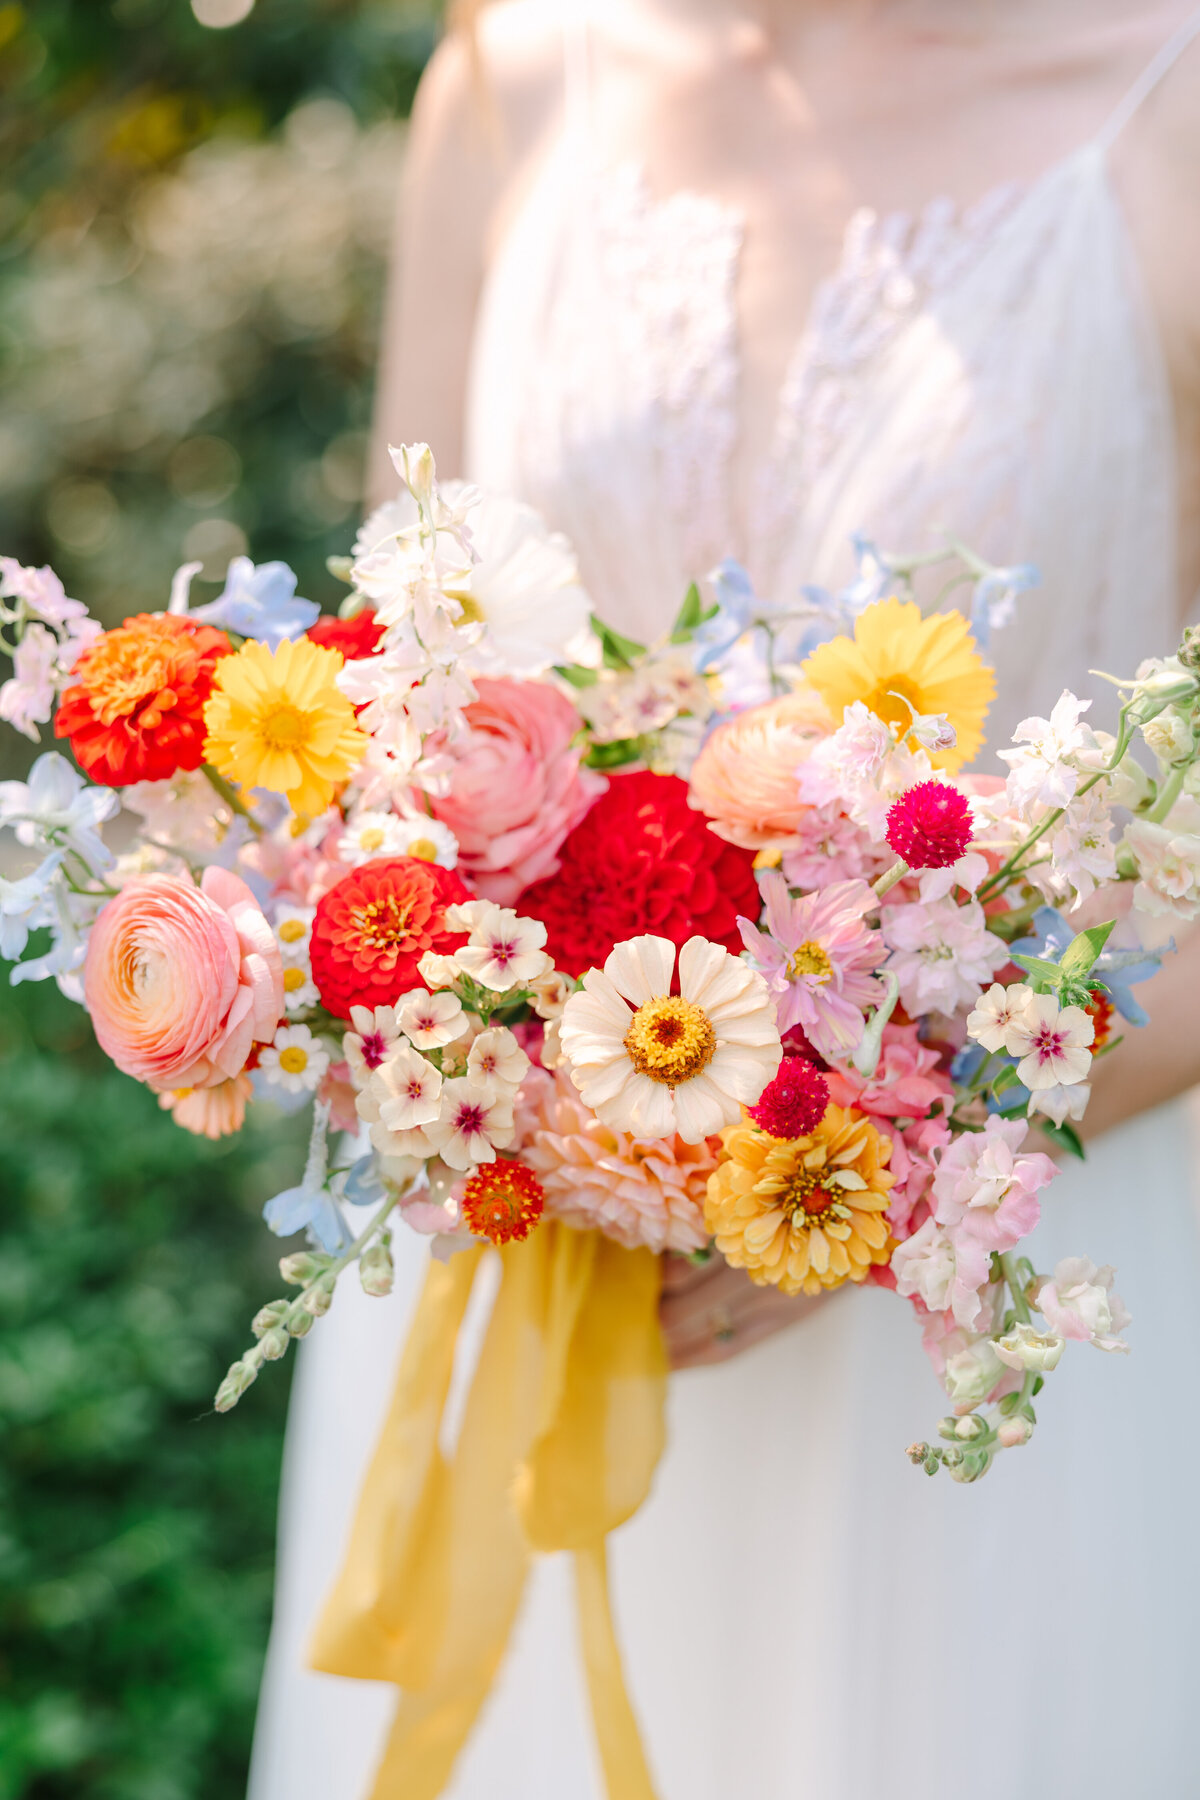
{"x":1052,"y":1041}
{"x":995,"y":1013}
{"x":476,"y":1120}
{"x":438,"y":971}
{"x":408,"y":1090}
{"x":430,"y":1021}
{"x":654,"y":1063}
{"x":504,"y":950}
{"x":376,"y":1031}
{"x":496,"y":1058}
{"x":1062,"y":1101}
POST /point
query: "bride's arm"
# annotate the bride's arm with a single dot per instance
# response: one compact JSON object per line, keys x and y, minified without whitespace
{"x":480,"y":114}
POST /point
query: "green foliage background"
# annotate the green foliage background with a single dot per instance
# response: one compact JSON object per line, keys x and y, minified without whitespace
{"x":192,"y":232}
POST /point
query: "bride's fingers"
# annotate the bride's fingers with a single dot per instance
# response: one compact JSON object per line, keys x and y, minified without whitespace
{"x":679,"y":1275}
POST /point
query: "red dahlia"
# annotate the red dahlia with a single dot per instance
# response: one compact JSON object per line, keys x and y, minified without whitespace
{"x":641,"y":860}
{"x":355,"y":638}
{"x":373,"y":927}
{"x":794,"y":1103}
{"x":930,"y":825}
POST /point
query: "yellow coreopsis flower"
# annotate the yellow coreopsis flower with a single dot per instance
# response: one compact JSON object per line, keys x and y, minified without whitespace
{"x":277,"y":720}
{"x":806,"y":1213}
{"x":895,"y":656}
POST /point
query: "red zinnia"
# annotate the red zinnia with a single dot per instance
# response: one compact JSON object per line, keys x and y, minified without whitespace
{"x":355,"y":638}
{"x":1100,"y":1012}
{"x":930,"y":825}
{"x":374,"y":925}
{"x":503,"y":1201}
{"x":641,"y":860}
{"x":135,"y":711}
{"x":794,"y":1103}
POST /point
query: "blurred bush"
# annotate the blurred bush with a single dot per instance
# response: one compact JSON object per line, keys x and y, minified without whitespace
{"x":192,"y":233}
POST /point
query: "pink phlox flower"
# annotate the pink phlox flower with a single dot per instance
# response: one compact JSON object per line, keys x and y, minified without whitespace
{"x":1079,"y":1303}
{"x":818,"y":958}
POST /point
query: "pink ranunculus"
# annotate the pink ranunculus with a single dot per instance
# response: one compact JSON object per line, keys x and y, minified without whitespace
{"x":745,"y":779}
{"x":181,"y":981}
{"x":516,"y":786}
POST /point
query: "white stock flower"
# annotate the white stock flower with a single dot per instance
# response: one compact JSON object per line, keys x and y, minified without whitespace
{"x":925,"y":1266}
{"x":504,"y":950}
{"x":496,"y":1057}
{"x":971,"y":1374}
{"x":1052,"y":1042}
{"x":1168,"y":866}
{"x":1079,"y":1303}
{"x":294,"y":1061}
{"x":1044,"y":761}
{"x":995,"y":1013}
{"x":1026,"y":1349}
{"x":653,"y":1063}
{"x":430,"y":1021}
{"x":1169,"y":736}
{"x":941,"y":953}
{"x":27,"y":697}
{"x":476,"y":1120}
{"x":56,"y":809}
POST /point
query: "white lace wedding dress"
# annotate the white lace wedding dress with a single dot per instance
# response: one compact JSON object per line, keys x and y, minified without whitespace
{"x":802,"y":1613}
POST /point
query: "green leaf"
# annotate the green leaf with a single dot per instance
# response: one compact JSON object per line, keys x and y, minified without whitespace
{"x":340,"y":567}
{"x":1045,"y":974}
{"x":1006,"y":1079}
{"x":619,"y":652}
{"x":1065,"y":1136}
{"x":691,"y":614}
{"x":1083,"y":950}
{"x":612,"y":756}
{"x":577,"y":675}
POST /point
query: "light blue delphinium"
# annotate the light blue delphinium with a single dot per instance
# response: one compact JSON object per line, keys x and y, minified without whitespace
{"x":259,"y":602}
{"x":310,"y":1206}
{"x":1118,"y":970}
{"x":737,"y":604}
{"x":57,"y":809}
{"x":994,"y":601}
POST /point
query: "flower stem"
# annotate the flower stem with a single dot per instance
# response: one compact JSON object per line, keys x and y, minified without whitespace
{"x":887,"y":881}
{"x":1020,"y":1304}
{"x":231,"y":797}
{"x":1168,"y":794}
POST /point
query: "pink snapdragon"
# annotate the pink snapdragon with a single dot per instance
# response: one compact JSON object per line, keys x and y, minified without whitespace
{"x":818,"y":957}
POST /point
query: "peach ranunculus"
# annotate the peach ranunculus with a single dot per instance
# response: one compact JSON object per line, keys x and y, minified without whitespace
{"x":211,"y":1112}
{"x":744,"y":778}
{"x":516,"y":788}
{"x":181,"y":981}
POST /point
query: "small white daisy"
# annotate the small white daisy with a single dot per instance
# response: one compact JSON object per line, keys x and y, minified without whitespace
{"x":293,"y":928}
{"x":295,"y":1061}
{"x":299,"y":988}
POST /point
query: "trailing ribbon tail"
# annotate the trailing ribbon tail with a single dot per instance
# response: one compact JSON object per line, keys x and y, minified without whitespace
{"x":562,"y":1431}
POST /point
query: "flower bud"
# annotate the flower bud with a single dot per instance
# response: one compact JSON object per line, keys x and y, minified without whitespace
{"x":415,"y":467}
{"x":269,"y":1316}
{"x":274,"y":1343}
{"x":318,"y":1298}
{"x":302,"y":1266}
{"x":300,"y":1324}
{"x":1169,"y":736}
{"x":1189,"y":649}
{"x":239,"y":1378}
{"x":1024,"y":1348}
{"x":1014,"y":1432}
{"x":972,"y":1426}
{"x":376,"y":1271}
{"x":916,"y":1454}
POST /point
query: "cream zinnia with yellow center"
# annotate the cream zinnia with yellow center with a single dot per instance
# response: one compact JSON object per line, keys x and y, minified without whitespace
{"x":653,"y":1063}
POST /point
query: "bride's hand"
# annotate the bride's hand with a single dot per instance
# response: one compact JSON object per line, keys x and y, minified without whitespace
{"x":710,"y":1312}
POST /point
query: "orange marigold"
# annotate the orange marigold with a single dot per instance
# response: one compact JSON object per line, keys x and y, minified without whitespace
{"x":135,"y":711}
{"x":503,"y":1201}
{"x":806,"y":1213}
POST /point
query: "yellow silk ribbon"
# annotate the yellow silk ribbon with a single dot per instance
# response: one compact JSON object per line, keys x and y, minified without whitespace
{"x":561,"y":1433}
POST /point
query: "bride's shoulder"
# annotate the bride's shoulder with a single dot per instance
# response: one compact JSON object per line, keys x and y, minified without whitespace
{"x":496,"y":78}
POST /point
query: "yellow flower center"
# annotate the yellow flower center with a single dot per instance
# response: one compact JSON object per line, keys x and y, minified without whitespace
{"x":810,"y":959}
{"x":887,"y":700}
{"x":424,"y":849}
{"x":292,"y":930}
{"x":293,"y":979}
{"x":371,"y":838}
{"x":381,"y":924}
{"x":808,"y":1196}
{"x":670,"y":1040}
{"x":283,"y":726}
{"x":293,"y":1060}
{"x":472,"y":612}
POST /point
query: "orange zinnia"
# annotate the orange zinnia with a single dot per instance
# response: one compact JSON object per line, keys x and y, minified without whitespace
{"x":136,"y":709}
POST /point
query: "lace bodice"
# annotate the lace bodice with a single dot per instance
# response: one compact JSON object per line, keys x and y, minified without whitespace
{"x":992,"y":371}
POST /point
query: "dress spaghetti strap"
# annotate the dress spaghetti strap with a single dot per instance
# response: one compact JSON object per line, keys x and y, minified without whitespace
{"x":1155,"y":72}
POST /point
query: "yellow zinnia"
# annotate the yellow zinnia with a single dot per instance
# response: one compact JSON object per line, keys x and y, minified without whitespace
{"x":277,"y":720}
{"x":931,"y":662}
{"x":806,"y":1213}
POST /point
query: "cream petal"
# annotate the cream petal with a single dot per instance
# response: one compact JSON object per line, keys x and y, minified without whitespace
{"x":646,"y":1108}
{"x":641,"y":968}
{"x":600,"y":1085}
{"x":701,"y":1109}
{"x":743,"y":1072}
{"x":707,"y":973}
{"x":600,"y":989}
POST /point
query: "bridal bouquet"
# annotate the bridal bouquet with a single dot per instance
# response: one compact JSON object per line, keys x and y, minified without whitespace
{"x":706,"y":946}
